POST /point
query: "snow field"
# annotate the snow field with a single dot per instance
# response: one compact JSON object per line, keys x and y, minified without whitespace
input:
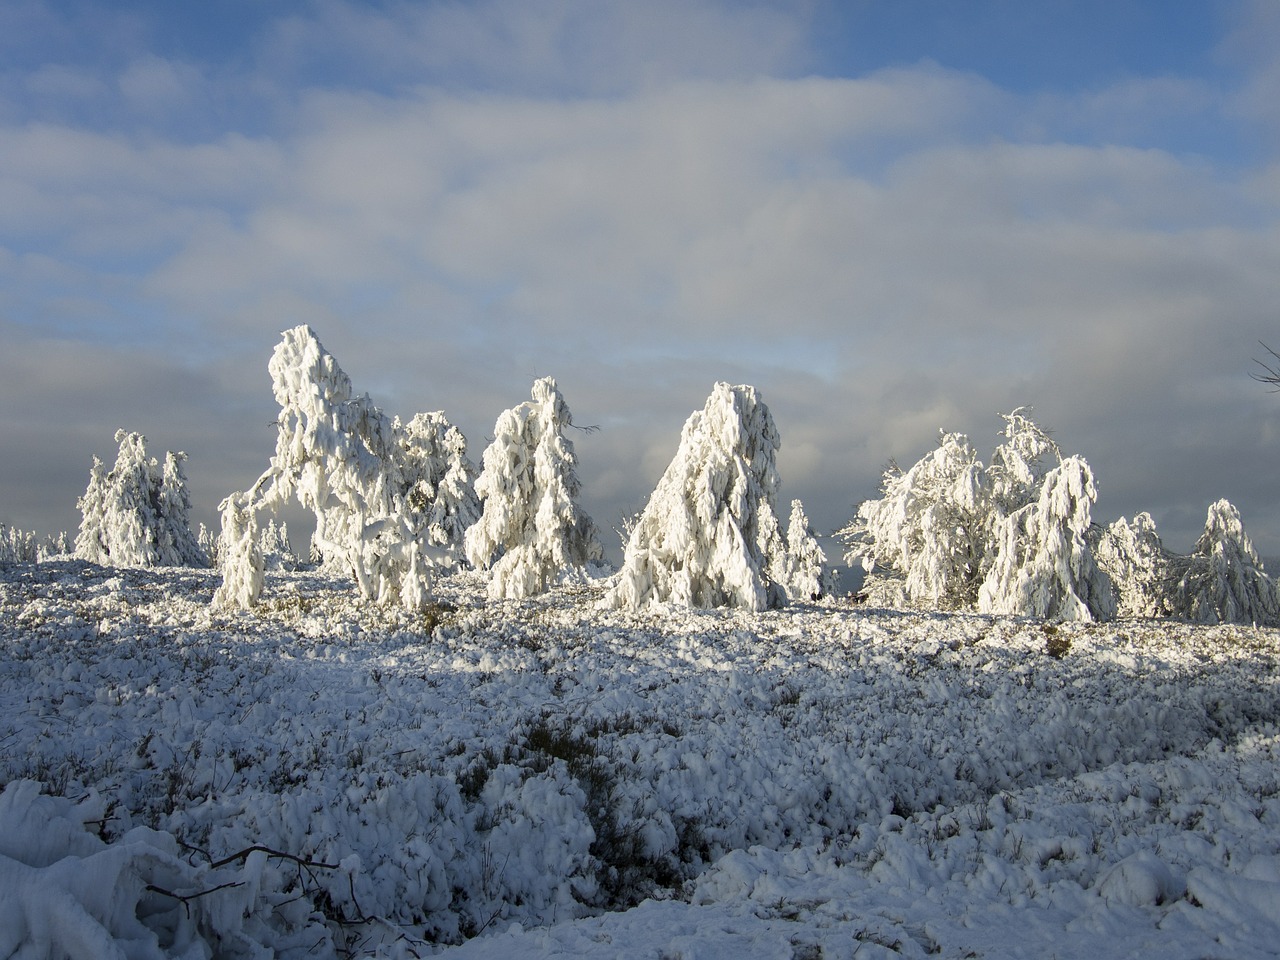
{"x":822,"y":779}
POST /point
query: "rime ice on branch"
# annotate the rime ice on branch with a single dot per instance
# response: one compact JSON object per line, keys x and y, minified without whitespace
{"x":531,"y":531}
{"x":709,"y":535}
{"x":136,"y":514}
{"x":356,"y":470}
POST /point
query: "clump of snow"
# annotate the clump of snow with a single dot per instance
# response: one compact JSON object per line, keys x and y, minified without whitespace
{"x":709,"y":535}
{"x":532,"y":531}
{"x":136,"y":514}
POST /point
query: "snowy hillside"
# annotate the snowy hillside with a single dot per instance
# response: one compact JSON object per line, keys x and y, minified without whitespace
{"x":326,"y":777}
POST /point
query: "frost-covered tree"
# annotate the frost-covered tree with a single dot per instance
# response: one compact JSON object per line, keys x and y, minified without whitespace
{"x":950,"y":532}
{"x":1140,"y":568}
{"x":439,"y":480}
{"x":925,"y":539}
{"x":1223,"y":580}
{"x":17,"y":546}
{"x":709,"y":534}
{"x":136,"y":514}
{"x":1043,"y":566}
{"x":277,"y":551}
{"x":240,"y":553}
{"x":340,"y":456}
{"x":531,"y":531}
{"x":806,"y":574}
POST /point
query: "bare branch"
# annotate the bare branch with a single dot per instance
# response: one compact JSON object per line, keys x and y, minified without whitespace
{"x":1272,"y":374}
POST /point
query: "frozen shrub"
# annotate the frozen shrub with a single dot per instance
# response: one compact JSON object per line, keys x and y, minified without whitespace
{"x":277,"y":551}
{"x":1008,"y":537}
{"x":136,"y":514}
{"x":439,"y":480}
{"x":16,"y":546}
{"x":531,"y":531}
{"x":1043,"y":566}
{"x":1223,"y":579}
{"x":709,"y":535}
{"x":240,"y":554}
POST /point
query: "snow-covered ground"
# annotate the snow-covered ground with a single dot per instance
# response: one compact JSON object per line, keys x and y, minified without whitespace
{"x":545,"y":778}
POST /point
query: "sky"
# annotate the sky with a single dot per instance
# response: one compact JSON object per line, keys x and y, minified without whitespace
{"x":892,"y":217}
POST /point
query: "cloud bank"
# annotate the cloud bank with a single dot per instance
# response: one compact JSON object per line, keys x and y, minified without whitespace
{"x":639,"y":200}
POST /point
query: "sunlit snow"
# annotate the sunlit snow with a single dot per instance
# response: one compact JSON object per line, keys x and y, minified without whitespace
{"x":325,"y":776}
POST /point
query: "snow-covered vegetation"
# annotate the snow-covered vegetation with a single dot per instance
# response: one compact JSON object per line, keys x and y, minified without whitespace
{"x":137,"y":513}
{"x":389,"y":499}
{"x":1016,"y":537}
{"x":532,"y":531}
{"x":385,"y":753}
{"x":323,"y":776}
{"x":709,"y":535}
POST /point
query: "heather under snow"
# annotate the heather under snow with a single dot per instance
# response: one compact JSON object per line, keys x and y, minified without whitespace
{"x":550,"y":777}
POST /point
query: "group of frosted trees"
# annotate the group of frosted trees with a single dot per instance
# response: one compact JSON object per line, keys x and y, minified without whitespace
{"x":397,"y":502}
{"x":1015,"y":536}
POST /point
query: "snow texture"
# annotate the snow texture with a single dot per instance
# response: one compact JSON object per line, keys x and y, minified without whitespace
{"x":550,"y":778}
{"x":709,"y":535}
{"x":532,"y":532}
{"x":136,"y":514}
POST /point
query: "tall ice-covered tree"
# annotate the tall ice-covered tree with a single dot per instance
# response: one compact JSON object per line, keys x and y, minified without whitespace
{"x":531,"y":531}
{"x":709,"y":535}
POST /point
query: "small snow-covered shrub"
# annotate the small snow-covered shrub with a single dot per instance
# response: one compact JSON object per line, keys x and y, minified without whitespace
{"x":926,"y":535}
{"x":1043,"y":566}
{"x":136,"y":514}
{"x":709,"y":535}
{"x":1223,"y":580}
{"x":439,"y":480}
{"x":17,"y":546}
{"x":532,"y":531}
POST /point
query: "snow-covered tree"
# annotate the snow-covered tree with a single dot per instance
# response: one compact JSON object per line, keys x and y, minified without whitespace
{"x":806,"y":575}
{"x":1043,"y":566}
{"x":950,"y":532}
{"x":240,"y":554}
{"x":1139,"y":566}
{"x":136,"y":514}
{"x":531,"y":531}
{"x":439,"y":480}
{"x":709,"y":534}
{"x":56,"y":545}
{"x":277,"y":551}
{"x":925,"y":539}
{"x":17,"y":546}
{"x":1223,"y":579}
{"x":340,"y":456}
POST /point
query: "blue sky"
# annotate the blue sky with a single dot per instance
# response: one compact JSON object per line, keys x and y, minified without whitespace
{"x":890,"y":217}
